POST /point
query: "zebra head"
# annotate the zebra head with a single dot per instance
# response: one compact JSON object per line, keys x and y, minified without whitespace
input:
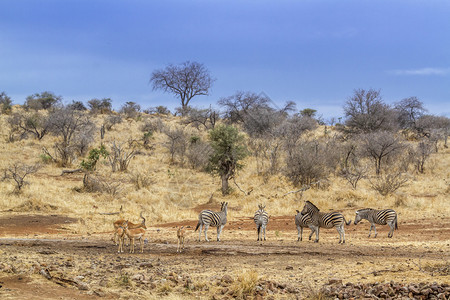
{"x":224,"y":207}
{"x":261,"y":207}
{"x":309,"y":208}
{"x":361,"y":214}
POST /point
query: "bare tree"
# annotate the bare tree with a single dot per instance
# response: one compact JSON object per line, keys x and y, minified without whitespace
{"x":380,"y":146}
{"x":35,"y":123}
{"x":120,"y":156}
{"x":17,"y":172}
{"x":185,"y":81}
{"x":176,"y":143}
{"x":388,"y":183}
{"x":422,"y":151}
{"x":366,"y":112}
{"x":409,"y":111}
{"x":201,"y":117}
{"x":74,"y":130}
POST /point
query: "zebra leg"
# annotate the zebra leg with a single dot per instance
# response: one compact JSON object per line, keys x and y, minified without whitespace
{"x":370,"y":230}
{"x":264,"y":232}
{"x":299,"y":233}
{"x":219,"y":231}
{"x":312,"y":232}
{"x":374,"y":228}
{"x":341,"y":234}
{"x":391,"y":232}
{"x":200,"y":232}
{"x":206,"y":234}
{"x":258,"y":231}
{"x":317,"y":235}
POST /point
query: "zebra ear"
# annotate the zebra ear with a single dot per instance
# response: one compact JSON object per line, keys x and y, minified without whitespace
{"x":297,"y":211}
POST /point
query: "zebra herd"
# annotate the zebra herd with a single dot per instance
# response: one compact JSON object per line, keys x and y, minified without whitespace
{"x":310,"y":217}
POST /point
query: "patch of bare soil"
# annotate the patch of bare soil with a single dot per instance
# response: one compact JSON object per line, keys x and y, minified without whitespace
{"x":23,"y":225}
{"x":285,"y":268}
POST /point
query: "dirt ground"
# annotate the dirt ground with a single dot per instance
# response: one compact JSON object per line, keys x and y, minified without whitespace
{"x":39,"y":259}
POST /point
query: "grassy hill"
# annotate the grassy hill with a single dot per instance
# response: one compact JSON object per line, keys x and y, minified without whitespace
{"x":168,"y":191}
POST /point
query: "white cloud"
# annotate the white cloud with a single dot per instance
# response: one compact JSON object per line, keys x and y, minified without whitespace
{"x":421,"y":72}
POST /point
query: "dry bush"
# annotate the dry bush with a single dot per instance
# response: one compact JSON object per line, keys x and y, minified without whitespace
{"x":142,"y":180}
{"x":244,"y":285}
{"x":17,"y":172}
{"x":34,"y":205}
{"x":98,"y":184}
{"x":112,"y":120}
{"x":198,"y":153}
{"x":120,"y":155}
{"x":386,"y":184}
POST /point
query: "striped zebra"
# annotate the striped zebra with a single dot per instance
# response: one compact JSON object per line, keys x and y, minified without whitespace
{"x":303,"y":221}
{"x":261,"y":219}
{"x":380,"y":217}
{"x":326,"y":220}
{"x":217,"y":219}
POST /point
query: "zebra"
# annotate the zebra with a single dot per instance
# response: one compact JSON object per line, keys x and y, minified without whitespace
{"x":261,"y":219}
{"x":326,"y":220}
{"x":303,"y":221}
{"x":217,"y":219}
{"x":381,"y":217}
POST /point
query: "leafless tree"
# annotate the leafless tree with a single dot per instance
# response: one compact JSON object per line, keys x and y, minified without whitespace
{"x":423,"y":150}
{"x":17,"y":172}
{"x":253,"y":112}
{"x":409,"y":111}
{"x":198,"y":153}
{"x":35,"y":123}
{"x":185,"y":81}
{"x":386,"y":184}
{"x":379,"y":146}
{"x":366,"y":112}
{"x":74,"y":130}
{"x":201,"y":117}
{"x":307,"y":163}
{"x":112,"y":120}
{"x":120,"y":155}
{"x":176,"y":143}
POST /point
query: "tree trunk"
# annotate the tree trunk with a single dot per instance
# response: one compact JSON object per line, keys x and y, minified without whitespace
{"x":225,"y":178}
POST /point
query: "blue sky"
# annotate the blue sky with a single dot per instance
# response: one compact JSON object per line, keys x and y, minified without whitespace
{"x":312,"y":52}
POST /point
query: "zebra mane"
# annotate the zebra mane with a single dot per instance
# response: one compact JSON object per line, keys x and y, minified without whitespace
{"x":364,"y":210}
{"x":312,"y":205}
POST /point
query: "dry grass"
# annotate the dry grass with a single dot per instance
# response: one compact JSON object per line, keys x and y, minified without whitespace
{"x":168,"y":192}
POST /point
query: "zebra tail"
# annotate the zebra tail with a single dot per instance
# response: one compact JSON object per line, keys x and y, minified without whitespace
{"x":396,"y":226}
{"x":198,"y":225}
{"x":347,"y":223}
{"x":259,"y":230}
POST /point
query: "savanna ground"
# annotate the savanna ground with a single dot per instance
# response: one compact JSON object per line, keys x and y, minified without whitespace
{"x":55,"y":240}
{"x":419,"y":251}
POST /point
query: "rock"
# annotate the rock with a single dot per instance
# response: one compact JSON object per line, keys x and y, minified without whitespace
{"x":289,"y":268}
{"x":83,"y":286}
{"x":334,"y":281}
{"x":227,"y":278}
